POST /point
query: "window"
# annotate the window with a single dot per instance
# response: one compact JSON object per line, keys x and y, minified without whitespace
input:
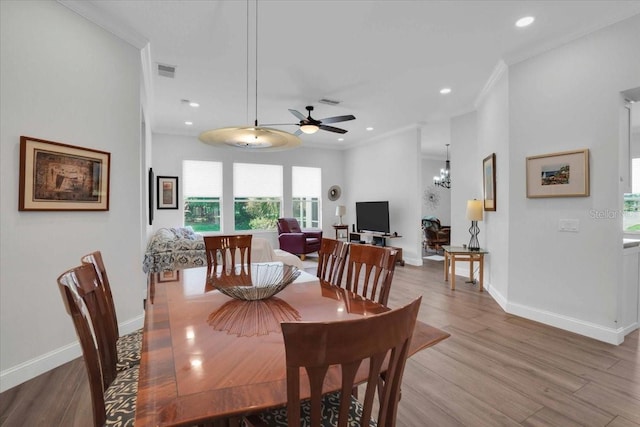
{"x":631,"y":217}
{"x":631,"y":207}
{"x":202,"y":189}
{"x":306,"y":192}
{"x":257,"y":196}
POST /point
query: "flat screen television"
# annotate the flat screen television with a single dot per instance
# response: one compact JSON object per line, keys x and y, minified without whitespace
{"x":373,"y":216}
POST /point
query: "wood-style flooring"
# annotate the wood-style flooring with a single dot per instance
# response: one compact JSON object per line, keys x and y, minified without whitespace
{"x":495,"y":370}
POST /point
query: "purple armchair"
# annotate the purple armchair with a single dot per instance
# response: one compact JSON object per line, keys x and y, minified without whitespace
{"x":296,"y":241}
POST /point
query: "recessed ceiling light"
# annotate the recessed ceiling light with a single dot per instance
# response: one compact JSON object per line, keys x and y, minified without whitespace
{"x":445,"y":90}
{"x":340,"y":139}
{"x":194,"y":104}
{"x":188,"y":123}
{"x":369,"y":128}
{"x":525,"y":22}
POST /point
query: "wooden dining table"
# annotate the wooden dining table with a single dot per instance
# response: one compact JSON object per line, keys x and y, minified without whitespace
{"x":207,"y":357}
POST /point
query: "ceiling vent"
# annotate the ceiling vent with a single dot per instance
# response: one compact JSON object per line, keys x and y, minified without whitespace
{"x":167,"y":70}
{"x":329,"y":101}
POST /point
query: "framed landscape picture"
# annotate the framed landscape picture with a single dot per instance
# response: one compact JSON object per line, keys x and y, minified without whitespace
{"x":167,"y":197}
{"x":489,"y":182}
{"x":564,"y":174}
{"x":62,"y":177}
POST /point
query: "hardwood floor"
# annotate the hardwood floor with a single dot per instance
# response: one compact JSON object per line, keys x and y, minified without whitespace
{"x":494,"y":370}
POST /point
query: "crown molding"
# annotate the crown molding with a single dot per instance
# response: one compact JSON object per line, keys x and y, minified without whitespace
{"x":498,"y":71}
{"x":103,"y":19}
{"x":524,"y":54}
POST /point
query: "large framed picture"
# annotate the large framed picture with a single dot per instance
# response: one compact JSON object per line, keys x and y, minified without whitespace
{"x":167,"y":192}
{"x":489,"y":182}
{"x":62,"y":177}
{"x":564,"y":174}
{"x":150,"y":183}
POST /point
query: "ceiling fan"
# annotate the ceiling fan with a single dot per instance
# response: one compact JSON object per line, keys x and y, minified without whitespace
{"x":310,"y":125}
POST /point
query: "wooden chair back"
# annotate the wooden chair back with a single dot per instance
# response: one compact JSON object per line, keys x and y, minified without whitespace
{"x":224,"y":253}
{"x":95,"y":259}
{"x":370,"y":271}
{"x":81,"y":293}
{"x":332,"y":258}
{"x":316,"y":346}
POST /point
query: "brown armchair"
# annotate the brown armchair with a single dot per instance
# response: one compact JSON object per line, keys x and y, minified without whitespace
{"x":295,"y":240}
{"x":435,"y":235}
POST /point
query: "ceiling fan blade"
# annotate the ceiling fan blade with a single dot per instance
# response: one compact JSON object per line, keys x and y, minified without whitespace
{"x":298,"y":114}
{"x":279,"y":124}
{"x":337,"y":119}
{"x":332,"y":129}
{"x":298,"y":132}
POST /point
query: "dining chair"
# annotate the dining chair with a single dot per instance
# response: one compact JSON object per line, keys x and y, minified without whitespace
{"x":331,"y":260}
{"x":129,"y":346}
{"x":226,"y":254}
{"x":113,"y":394}
{"x":349,"y":344}
{"x":370,"y":271}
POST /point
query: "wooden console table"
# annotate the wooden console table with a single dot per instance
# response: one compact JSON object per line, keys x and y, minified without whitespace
{"x":457,"y":253}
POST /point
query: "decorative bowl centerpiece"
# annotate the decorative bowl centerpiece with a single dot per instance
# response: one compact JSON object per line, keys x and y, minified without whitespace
{"x":260,"y":281}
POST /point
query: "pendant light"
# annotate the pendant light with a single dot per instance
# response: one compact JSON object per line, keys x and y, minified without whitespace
{"x":256,"y":138}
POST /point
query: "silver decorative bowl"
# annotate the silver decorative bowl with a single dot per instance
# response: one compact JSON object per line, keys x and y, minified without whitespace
{"x":262,"y":281}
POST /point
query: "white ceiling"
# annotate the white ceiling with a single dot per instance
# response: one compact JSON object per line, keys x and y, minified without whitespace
{"x":385,"y":61}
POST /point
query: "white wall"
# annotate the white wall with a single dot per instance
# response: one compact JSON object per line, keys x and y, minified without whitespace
{"x":493,"y":137}
{"x":564,"y":99}
{"x":170,"y":150}
{"x":66,"y":80}
{"x":389,"y":168}
{"x":466,"y":178}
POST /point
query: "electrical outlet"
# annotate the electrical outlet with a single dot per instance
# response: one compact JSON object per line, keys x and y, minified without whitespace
{"x":571,"y":225}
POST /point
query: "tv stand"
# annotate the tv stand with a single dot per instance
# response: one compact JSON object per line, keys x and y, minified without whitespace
{"x":379,"y":239}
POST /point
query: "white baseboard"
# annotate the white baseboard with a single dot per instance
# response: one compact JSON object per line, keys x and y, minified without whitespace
{"x":588,"y":329}
{"x":613,"y":336}
{"x":25,"y":371}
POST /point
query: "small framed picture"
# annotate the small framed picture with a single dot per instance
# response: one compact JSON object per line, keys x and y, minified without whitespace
{"x":62,"y":177}
{"x":167,"y":196}
{"x":564,"y":174}
{"x":168,"y":276}
{"x":489,"y":182}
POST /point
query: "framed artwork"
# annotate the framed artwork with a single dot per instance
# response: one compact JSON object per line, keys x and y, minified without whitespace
{"x":489,"y":182}
{"x":62,"y":177}
{"x":150,"y":184}
{"x":168,"y":276}
{"x":167,"y":196}
{"x":564,"y":174}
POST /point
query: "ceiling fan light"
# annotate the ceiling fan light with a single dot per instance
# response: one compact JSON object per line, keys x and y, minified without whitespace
{"x":258,"y":138}
{"x":309,"y":129}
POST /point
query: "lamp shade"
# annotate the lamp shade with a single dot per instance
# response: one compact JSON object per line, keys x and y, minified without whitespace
{"x":474,"y":210}
{"x":341,"y":210}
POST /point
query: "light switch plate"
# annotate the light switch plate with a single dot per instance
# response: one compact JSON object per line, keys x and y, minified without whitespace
{"x":571,"y":225}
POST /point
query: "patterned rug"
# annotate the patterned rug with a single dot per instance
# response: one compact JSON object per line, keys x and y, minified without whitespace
{"x":434,"y":257}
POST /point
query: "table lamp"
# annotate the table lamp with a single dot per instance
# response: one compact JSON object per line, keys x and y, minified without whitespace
{"x":341,"y":210}
{"x":474,"y":214}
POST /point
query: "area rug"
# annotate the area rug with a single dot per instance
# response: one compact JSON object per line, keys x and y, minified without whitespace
{"x":434,"y":257}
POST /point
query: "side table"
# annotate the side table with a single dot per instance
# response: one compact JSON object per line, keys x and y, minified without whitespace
{"x":453,"y":253}
{"x":339,"y":227}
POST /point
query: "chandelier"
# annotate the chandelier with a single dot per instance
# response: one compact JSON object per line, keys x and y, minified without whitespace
{"x":256,"y":137}
{"x":444,"y":180}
